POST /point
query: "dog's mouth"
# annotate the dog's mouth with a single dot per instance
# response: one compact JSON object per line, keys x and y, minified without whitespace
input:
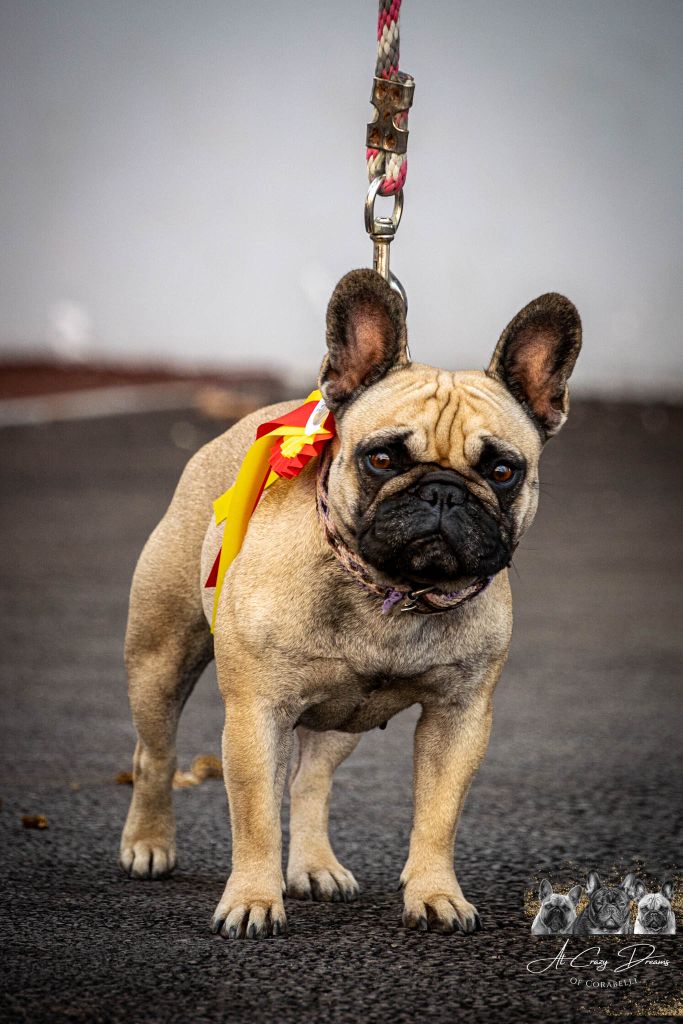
{"x":555,"y":920}
{"x":612,"y":921}
{"x":431,"y":560}
{"x":655,"y":922}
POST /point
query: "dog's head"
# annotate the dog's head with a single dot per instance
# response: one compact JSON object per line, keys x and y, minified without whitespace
{"x":435,"y":477}
{"x":609,"y":905}
{"x":654,"y":909}
{"x":558,"y":912}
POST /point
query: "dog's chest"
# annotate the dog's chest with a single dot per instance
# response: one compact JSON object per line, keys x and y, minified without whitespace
{"x":337,"y":660}
{"x":348,"y":702}
{"x":368,"y":678}
{"x":377,"y":650}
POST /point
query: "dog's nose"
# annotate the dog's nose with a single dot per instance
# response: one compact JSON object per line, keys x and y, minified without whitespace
{"x":441,"y":493}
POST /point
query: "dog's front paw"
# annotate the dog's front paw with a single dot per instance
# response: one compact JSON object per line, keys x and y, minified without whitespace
{"x":434,"y":902}
{"x":148,"y":841}
{"x":320,"y":878}
{"x":151,"y":857}
{"x":249,"y":910}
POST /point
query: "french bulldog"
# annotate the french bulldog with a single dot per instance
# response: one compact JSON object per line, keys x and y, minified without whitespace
{"x":655,"y":913}
{"x":557,"y":913}
{"x":425,"y":492}
{"x":609,"y":906}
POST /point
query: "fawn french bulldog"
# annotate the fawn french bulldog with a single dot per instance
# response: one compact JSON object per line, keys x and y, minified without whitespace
{"x":557,"y":912}
{"x":427,"y":488}
{"x":655,"y":913}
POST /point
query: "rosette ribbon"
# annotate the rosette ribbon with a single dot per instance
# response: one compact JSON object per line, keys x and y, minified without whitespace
{"x":282,"y":448}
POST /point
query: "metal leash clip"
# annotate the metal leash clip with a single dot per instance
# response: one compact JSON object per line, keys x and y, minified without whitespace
{"x":382,"y":229}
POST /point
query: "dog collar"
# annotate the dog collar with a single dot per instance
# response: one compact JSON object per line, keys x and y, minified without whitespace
{"x":425,"y":601}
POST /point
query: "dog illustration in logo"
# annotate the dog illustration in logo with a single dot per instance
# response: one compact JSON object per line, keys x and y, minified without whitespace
{"x":558,"y":912}
{"x":655,"y":914}
{"x":609,"y":906}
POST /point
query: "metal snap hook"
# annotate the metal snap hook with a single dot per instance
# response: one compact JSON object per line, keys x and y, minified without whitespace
{"x":382,"y":231}
{"x":382,"y":227}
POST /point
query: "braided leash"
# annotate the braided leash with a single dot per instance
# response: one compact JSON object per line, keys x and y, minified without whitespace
{"x":391,"y":166}
{"x":404,"y":599}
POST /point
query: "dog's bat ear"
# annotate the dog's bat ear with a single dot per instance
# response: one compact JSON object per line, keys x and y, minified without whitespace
{"x":575,"y":894}
{"x":535,"y":356}
{"x":366,"y":336}
{"x":639,"y":889}
{"x":668,"y":890}
{"x":592,"y":883}
{"x":630,"y":884}
{"x":545,"y":890}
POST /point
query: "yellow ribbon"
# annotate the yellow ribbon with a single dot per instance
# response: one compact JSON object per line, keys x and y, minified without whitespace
{"x":236,"y":505}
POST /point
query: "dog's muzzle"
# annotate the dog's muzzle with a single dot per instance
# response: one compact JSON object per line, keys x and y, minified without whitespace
{"x":612,"y":918}
{"x":555,"y":919}
{"x":655,"y":920}
{"x":434,"y":531}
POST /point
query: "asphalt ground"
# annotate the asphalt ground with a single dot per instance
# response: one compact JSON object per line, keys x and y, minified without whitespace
{"x":583,"y":769}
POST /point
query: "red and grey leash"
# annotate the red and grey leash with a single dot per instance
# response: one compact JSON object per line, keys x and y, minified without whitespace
{"x":387,"y":139}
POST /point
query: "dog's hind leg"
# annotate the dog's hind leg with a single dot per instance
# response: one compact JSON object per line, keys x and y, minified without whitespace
{"x":313,"y":871}
{"x":168,"y":644}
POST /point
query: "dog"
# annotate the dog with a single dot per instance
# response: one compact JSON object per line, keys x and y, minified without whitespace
{"x":609,"y":906}
{"x":427,"y":488}
{"x":655,"y":913}
{"x":557,"y":913}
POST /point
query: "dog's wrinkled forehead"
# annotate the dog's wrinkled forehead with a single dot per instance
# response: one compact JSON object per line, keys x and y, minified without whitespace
{"x":654,"y":901}
{"x":444,"y":417}
{"x":558,"y":900}
{"x":610,"y":894}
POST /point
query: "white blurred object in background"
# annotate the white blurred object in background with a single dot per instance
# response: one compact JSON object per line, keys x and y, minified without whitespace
{"x":70,"y":331}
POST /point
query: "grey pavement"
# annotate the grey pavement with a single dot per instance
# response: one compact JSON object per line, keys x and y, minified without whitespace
{"x":583,"y":769}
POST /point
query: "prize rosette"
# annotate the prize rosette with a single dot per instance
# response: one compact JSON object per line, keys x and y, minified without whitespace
{"x":282,"y":448}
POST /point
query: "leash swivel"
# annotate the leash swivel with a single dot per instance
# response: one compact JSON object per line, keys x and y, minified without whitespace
{"x":387,"y":141}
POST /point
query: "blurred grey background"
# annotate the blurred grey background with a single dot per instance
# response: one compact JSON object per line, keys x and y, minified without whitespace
{"x":183,"y":182}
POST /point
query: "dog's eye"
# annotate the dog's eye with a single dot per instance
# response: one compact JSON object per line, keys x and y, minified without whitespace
{"x":503,"y":475}
{"x":380,"y":461}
